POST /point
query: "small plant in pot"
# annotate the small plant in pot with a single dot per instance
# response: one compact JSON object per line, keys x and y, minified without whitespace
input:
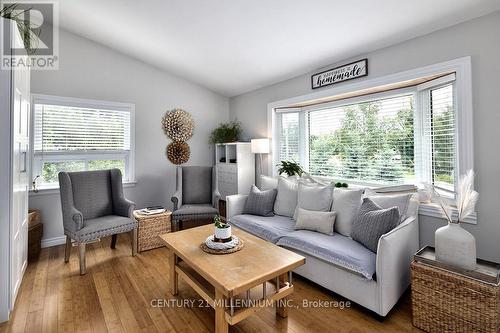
{"x":222,"y":229}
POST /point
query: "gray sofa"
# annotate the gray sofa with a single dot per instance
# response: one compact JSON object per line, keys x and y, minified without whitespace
{"x":338,"y":263}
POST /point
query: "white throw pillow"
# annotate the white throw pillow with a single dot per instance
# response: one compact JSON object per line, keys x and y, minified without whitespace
{"x":286,"y":199}
{"x":268,"y":183}
{"x":402,"y":201}
{"x":315,"y":197}
{"x":315,"y":221}
{"x":346,"y":203}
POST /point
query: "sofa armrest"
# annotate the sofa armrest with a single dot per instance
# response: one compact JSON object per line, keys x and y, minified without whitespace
{"x":176,"y":200}
{"x":394,"y":254}
{"x":235,"y":204}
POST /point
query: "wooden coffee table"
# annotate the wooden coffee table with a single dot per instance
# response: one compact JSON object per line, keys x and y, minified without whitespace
{"x":236,"y":285}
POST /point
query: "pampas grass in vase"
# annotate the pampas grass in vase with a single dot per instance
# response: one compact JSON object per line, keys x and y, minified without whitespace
{"x":454,"y":245}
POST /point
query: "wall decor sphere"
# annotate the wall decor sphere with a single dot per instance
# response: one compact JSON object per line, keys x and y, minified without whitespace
{"x":178,"y":152}
{"x":178,"y":125}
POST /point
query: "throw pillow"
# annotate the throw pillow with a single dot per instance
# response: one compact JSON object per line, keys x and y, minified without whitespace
{"x":260,"y":202}
{"x":315,"y":221}
{"x":346,"y":203}
{"x":313,"y":196}
{"x":402,"y":201}
{"x":267,"y":183}
{"x":286,"y":199}
{"x":371,"y":222}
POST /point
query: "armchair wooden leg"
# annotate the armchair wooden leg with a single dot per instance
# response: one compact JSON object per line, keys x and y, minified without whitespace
{"x":133,"y":236}
{"x":113,"y":241}
{"x":81,"y":256}
{"x":67,"y":249}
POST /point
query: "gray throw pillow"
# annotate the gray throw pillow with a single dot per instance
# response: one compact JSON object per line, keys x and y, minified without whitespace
{"x":315,"y":221}
{"x":286,"y":199}
{"x":260,"y":202}
{"x":371,"y":222}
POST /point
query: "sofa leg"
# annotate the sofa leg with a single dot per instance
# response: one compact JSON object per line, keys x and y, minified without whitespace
{"x":133,"y":236}
{"x":81,"y":256}
{"x":113,"y":241}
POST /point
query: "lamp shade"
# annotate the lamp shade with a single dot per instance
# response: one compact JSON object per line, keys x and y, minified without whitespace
{"x":260,"y":146}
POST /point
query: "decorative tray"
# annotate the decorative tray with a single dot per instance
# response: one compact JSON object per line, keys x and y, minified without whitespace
{"x":216,"y":246}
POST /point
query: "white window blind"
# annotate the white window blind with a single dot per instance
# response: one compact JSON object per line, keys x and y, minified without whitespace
{"x":63,"y":128}
{"x":370,"y":141}
{"x":288,"y":136}
{"x":442,"y":134}
{"x":78,"y":135}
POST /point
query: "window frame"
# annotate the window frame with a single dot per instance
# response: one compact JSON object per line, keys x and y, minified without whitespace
{"x":461,"y":67}
{"x":79,"y":155}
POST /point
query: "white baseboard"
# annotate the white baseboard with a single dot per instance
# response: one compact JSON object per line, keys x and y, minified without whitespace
{"x":48,"y":242}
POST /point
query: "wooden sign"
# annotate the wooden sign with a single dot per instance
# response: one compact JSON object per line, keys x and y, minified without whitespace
{"x":339,"y":74}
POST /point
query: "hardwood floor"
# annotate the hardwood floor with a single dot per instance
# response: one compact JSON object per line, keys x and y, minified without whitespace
{"x":117,"y":292}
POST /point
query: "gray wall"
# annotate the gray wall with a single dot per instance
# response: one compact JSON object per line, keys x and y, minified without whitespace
{"x":479,"y":39}
{"x":90,"y":70}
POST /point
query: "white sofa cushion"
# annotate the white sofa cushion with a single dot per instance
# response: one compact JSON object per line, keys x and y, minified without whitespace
{"x":315,"y":197}
{"x":322,"y":222}
{"x":286,"y":199}
{"x":268,"y":183}
{"x":346,"y":204}
{"x":268,"y":228}
{"x":402,"y":201}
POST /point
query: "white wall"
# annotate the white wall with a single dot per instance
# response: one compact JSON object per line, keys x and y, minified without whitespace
{"x":90,"y":70}
{"x":478,"y":38}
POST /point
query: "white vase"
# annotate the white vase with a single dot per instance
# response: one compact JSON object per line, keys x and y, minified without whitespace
{"x":455,"y":246}
{"x":223,"y":233}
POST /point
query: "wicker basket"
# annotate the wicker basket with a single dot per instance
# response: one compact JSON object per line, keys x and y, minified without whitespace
{"x":35,"y":233}
{"x":443,"y":301}
{"x":150,"y":228}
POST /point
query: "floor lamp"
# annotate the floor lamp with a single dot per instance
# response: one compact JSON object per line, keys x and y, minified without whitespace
{"x":260,"y":146}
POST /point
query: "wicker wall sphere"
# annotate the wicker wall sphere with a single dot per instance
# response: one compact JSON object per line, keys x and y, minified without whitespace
{"x":178,"y":125}
{"x":178,"y":152}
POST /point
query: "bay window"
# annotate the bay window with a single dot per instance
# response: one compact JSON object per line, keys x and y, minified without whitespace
{"x":399,"y":136}
{"x":79,"y":135}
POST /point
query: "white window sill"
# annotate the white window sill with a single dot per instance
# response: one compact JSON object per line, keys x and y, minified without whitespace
{"x":55,"y":189}
{"x":434,"y":210}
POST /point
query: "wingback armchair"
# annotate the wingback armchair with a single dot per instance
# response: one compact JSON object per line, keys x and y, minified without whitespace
{"x":196,"y":196}
{"x":93,"y":206}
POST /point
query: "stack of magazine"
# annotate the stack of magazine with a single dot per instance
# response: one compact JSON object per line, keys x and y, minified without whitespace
{"x":152,"y":210}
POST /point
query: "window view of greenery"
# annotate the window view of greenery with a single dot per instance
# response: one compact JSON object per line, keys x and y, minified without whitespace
{"x":374,"y":141}
{"x":51,"y":169}
{"x":443,"y":137}
{"x":370,"y":141}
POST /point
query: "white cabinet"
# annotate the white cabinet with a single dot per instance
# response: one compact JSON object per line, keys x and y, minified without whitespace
{"x":235,"y":168}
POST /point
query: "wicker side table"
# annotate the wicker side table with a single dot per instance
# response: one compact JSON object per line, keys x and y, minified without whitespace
{"x":150,"y":228}
{"x":446,"y":301}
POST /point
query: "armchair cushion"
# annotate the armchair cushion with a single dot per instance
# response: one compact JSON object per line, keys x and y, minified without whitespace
{"x":195,"y":211}
{"x":92,"y":194}
{"x":197,"y":185}
{"x":104,"y":226}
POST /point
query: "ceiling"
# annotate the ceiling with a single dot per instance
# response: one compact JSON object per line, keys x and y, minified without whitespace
{"x":234,"y":46}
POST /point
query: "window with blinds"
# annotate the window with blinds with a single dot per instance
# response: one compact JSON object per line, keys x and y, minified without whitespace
{"x":405,"y":136}
{"x":80,"y":137}
{"x":289,"y":136}
{"x":370,"y":141}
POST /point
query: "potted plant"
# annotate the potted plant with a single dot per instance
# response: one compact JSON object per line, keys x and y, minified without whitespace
{"x":222,"y":229}
{"x":455,"y":245}
{"x":290,"y":168}
{"x":226,"y":132}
